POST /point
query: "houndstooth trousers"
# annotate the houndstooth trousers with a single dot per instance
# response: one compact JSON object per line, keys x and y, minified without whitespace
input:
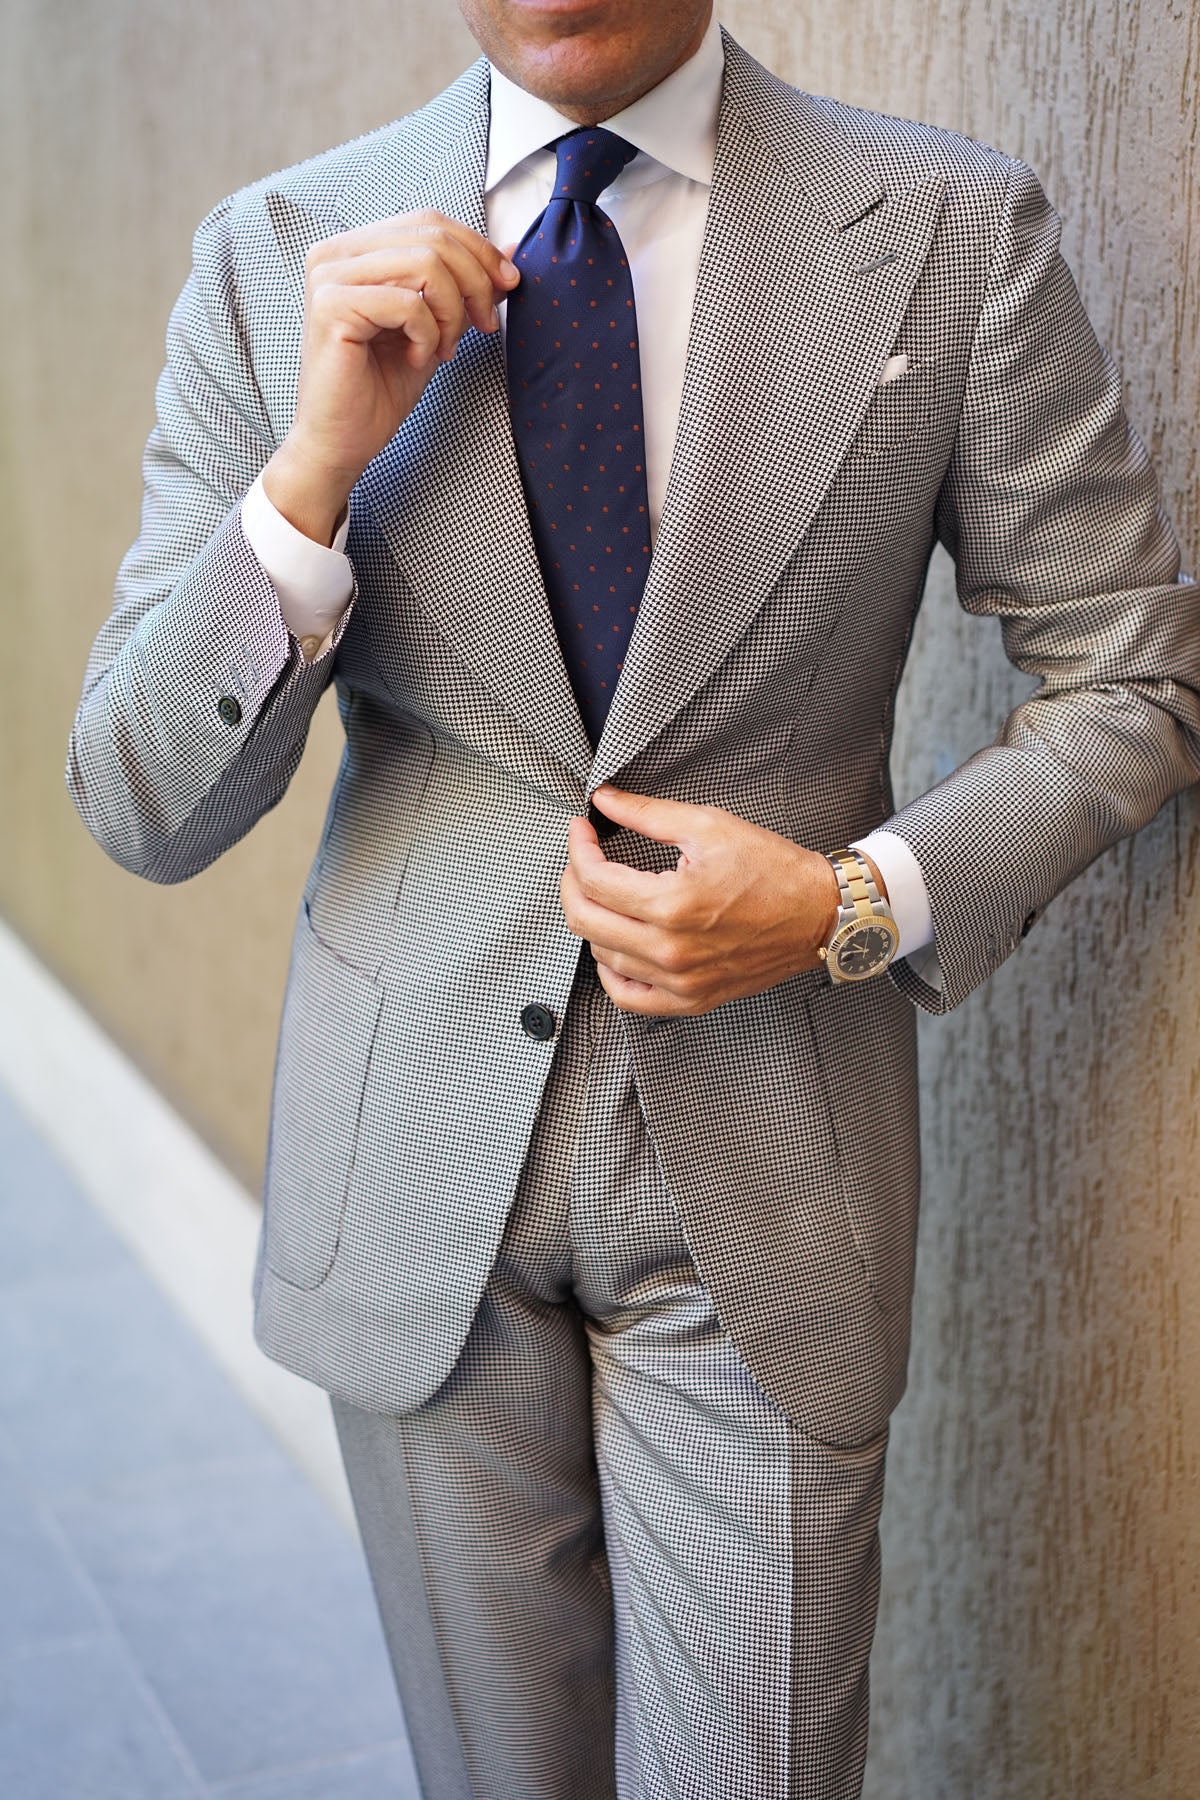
{"x":606,"y":1563}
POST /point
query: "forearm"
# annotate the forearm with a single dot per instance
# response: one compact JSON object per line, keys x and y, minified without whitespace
{"x":1051,"y":511}
{"x":193,"y":728}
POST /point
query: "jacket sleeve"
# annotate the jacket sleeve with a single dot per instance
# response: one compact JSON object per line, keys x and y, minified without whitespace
{"x":1052,"y":515}
{"x":196,"y":700}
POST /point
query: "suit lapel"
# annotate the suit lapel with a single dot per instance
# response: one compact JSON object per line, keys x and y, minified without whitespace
{"x":446,"y":492}
{"x":806,"y":273}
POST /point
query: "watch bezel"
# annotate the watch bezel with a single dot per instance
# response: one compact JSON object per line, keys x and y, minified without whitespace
{"x":851,"y":928}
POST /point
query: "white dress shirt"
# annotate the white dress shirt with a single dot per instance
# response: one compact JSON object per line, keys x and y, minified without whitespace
{"x":658,"y":204}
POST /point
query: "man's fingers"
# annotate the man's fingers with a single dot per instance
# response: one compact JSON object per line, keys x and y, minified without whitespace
{"x":454,"y":269}
{"x":597,"y":923}
{"x":437,"y":293}
{"x":453,"y":287}
{"x":632,"y":892}
{"x":637,"y":996}
{"x":495,"y":275}
{"x":499,"y":268}
{"x":441,"y":289}
{"x":363,"y":312}
{"x":638,"y":951}
{"x":666,"y":821}
{"x":582,"y":834}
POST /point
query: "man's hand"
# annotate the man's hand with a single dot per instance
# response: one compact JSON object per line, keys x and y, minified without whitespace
{"x":383,"y":306}
{"x":742,"y":910}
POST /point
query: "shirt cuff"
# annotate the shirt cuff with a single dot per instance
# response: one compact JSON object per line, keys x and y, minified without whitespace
{"x":907,"y":894}
{"x":312,"y":584}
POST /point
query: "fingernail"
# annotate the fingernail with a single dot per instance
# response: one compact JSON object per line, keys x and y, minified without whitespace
{"x":509,"y":270}
{"x":495,"y":318}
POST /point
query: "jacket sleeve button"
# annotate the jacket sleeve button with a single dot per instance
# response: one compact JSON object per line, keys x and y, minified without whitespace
{"x":538,"y":1022}
{"x":229,"y":709}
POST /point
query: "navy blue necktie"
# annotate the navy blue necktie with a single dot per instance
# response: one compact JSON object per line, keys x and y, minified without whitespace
{"x":574,"y":385}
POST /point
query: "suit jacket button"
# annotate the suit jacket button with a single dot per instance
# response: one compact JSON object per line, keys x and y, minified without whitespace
{"x":603,"y":826}
{"x":229,"y":709}
{"x":538,"y":1022}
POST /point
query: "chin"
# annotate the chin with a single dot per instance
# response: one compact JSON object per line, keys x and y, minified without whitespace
{"x":579,"y":77}
{"x":587,"y":56}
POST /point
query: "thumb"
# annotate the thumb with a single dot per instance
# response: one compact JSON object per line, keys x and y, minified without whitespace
{"x":583,"y":838}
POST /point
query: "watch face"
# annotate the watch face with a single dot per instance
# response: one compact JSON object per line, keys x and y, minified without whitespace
{"x":863,"y":951}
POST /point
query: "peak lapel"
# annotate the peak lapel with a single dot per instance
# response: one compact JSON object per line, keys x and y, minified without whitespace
{"x":446,"y":492}
{"x":805,"y":276}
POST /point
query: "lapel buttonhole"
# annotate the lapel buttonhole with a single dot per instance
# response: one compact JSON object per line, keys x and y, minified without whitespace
{"x":880,"y":262}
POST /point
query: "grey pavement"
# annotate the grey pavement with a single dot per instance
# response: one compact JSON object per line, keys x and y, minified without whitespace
{"x":181,"y":1615}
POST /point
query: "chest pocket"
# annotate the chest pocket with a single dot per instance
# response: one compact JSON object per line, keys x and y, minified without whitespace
{"x":899,"y":412}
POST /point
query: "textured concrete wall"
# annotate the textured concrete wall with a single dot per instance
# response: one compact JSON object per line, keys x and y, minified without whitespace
{"x":1041,"y":1627}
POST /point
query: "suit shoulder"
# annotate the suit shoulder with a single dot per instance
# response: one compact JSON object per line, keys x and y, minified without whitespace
{"x":906,"y":150}
{"x":315,"y":184}
{"x":846,"y":154}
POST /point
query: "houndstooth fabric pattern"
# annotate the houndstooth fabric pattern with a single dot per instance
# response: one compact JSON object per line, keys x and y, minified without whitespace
{"x":803,"y":503}
{"x":626,"y":1572}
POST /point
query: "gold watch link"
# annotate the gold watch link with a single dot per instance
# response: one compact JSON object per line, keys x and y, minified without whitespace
{"x":865,"y":935}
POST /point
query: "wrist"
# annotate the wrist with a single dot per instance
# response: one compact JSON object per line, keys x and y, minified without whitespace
{"x":880,"y":883}
{"x":310,"y":496}
{"x":830,"y":899}
{"x":865,"y":936}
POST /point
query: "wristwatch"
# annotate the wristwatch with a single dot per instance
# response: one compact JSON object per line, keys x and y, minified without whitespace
{"x":865,"y":936}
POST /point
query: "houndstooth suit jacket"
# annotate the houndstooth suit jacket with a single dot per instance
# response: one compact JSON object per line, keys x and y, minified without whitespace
{"x":803,"y":504}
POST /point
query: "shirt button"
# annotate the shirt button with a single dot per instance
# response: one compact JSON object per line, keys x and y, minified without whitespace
{"x":229,"y":709}
{"x":310,"y":646}
{"x":538,"y":1022}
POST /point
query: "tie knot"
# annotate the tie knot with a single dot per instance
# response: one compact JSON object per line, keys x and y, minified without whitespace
{"x":588,"y":160}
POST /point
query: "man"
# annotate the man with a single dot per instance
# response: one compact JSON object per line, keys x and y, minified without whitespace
{"x":607,"y":1259}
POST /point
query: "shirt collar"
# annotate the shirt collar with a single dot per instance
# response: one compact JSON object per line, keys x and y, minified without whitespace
{"x":675,"y":123}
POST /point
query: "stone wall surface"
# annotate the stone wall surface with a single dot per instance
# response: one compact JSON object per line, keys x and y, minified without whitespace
{"x":1040,"y":1635}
